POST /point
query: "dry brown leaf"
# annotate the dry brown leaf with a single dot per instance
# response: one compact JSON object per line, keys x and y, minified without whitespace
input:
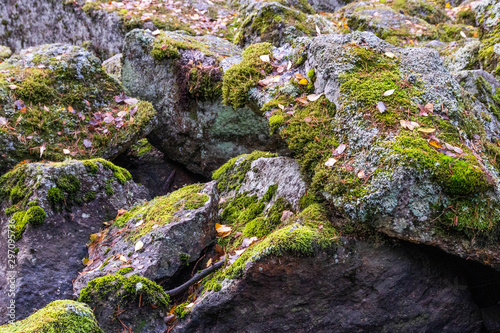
{"x":330,"y":162}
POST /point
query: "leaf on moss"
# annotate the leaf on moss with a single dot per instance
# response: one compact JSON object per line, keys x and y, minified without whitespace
{"x":389,"y":92}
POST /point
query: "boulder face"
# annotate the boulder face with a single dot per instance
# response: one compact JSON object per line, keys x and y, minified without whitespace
{"x":56,"y":101}
{"x":194,"y":127}
{"x":30,"y":23}
{"x":156,"y":239}
{"x":49,"y":210}
{"x":360,"y":287}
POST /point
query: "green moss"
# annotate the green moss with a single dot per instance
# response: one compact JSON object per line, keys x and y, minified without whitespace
{"x":121,"y":174}
{"x":276,"y":121}
{"x":232,"y":174}
{"x":421,"y":9}
{"x":55,"y":196}
{"x":19,"y":225}
{"x":466,"y":17}
{"x":34,"y":215}
{"x":57,"y":317}
{"x":69,"y":184}
{"x":128,"y":290}
{"x":167,"y":46}
{"x":457,"y":176}
{"x":90,"y":166}
{"x":180,"y":310}
{"x":271,"y":191}
{"x":162,"y":210}
{"x":241,"y":77}
{"x":205,"y":84}
{"x":89,"y":196}
{"x":184,"y":259}
{"x":125,"y":271}
{"x":108,"y":189}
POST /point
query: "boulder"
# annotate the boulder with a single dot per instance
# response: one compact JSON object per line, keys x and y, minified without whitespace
{"x":48,"y":212}
{"x":127,"y":302}
{"x":487,"y":14}
{"x":359,"y":287}
{"x":277,"y":24}
{"x":155,"y":240}
{"x":58,"y":316}
{"x":57,"y":102}
{"x":113,"y":66}
{"x":181,"y":76}
{"x":427,"y":174}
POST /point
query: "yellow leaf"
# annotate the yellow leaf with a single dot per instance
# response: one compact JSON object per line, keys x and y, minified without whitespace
{"x":448,"y":5}
{"x":224,"y":229}
{"x":217,"y":226}
{"x":209,"y":262}
{"x":435,"y":144}
{"x":303,"y":82}
{"x":426,"y":130}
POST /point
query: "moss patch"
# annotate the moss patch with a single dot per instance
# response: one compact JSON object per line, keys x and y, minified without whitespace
{"x":58,"y":316}
{"x":241,"y":77}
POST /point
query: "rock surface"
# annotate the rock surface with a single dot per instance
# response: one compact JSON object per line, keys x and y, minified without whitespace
{"x":172,"y":232}
{"x":57,"y":102}
{"x":195,"y":128}
{"x":359,"y":288}
{"x":54,"y":207}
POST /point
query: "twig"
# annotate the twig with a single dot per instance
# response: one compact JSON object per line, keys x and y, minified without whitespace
{"x":198,"y":276}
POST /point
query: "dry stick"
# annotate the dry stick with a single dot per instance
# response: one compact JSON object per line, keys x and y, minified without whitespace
{"x":198,"y":276}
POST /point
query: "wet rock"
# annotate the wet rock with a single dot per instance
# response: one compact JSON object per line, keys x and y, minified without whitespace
{"x":149,"y":167}
{"x":68,"y":315}
{"x":195,"y":128}
{"x":131,"y":302}
{"x":51,"y":209}
{"x":277,"y":24}
{"x":155,"y":239}
{"x":355,"y":288}
{"x":58,"y":102}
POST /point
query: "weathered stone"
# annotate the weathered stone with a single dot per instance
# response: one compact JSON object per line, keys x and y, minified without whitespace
{"x":360,"y":287}
{"x":113,"y":66}
{"x":195,"y":128}
{"x":173,"y":231}
{"x":52,"y":209}
{"x":57,"y":101}
{"x":458,"y":56}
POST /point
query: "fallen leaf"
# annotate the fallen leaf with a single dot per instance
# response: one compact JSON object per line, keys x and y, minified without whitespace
{"x":282,"y":107}
{"x":426,"y":130}
{"x":209,"y":262}
{"x":429,"y":107}
{"x":302,"y":100}
{"x":239,"y":252}
{"x":463,"y":34}
{"x":42,"y":149}
{"x":289,"y":65}
{"x":434,"y":143}
{"x":87,"y":143}
{"x":330,"y":162}
{"x":422,"y":111}
{"x":122,"y":258}
{"x":389,"y":92}
{"x":248,"y":241}
{"x":19,"y":104}
{"x":121,"y":211}
{"x":139,"y":245}
{"x":286,"y":215}
{"x":23,"y":110}
{"x":265,"y":58}
{"x":70,"y":109}
{"x":318,"y":31}
{"x":66,"y":151}
{"x":408,"y":124}
{"x":314,"y":97}
{"x":131,"y":101}
{"x":361,"y":174}
{"x":449,"y":153}
{"x":339,"y":150}
{"x":299,"y":76}
{"x":12,"y":86}
{"x":303,"y":82}
{"x":390,"y":54}
{"x":3,"y":121}
{"x":381,"y":107}
{"x":156,"y":32}
{"x":46,"y":108}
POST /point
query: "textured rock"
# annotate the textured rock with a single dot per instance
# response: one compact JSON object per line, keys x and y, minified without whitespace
{"x":113,"y":66}
{"x":32,"y":22}
{"x":195,"y":128}
{"x":359,"y":288}
{"x":277,"y":24}
{"x":74,"y":199}
{"x":462,"y":55}
{"x":174,"y":230}
{"x":57,"y":101}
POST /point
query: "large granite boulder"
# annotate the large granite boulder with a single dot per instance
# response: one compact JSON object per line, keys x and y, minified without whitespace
{"x":182,"y":77}
{"x":56,"y":101}
{"x":156,"y":239}
{"x":48,"y":212}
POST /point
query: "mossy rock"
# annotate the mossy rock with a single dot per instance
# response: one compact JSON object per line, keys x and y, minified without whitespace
{"x":136,"y":301}
{"x":60,"y":101}
{"x":57,"y":317}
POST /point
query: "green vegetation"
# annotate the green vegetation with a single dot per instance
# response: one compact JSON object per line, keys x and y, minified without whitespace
{"x":124,"y":290}
{"x":167,"y":46}
{"x":57,"y":317}
{"x":125,"y":271}
{"x":162,"y":210}
{"x":241,"y":77}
